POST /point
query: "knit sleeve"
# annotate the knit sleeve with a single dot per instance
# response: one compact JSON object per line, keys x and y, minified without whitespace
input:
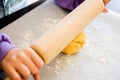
{"x":5,"y":45}
{"x":68,"y":4}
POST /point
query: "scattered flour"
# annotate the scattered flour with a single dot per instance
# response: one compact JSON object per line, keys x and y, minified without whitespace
{"x":28,"y":37}
{"x":97,"y":51}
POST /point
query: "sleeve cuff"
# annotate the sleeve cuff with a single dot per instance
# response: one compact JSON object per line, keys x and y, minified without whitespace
{"x":5,"y":47}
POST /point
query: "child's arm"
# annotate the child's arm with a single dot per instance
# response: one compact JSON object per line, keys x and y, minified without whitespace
{"x":19,"y":63}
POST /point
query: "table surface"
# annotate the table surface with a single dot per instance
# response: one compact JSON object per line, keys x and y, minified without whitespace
{"x":99,"y":59}
{"x":114,"y":6}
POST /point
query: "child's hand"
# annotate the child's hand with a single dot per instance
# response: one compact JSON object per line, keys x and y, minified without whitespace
{"x":20,"y":63}
{"x":105,"y":3}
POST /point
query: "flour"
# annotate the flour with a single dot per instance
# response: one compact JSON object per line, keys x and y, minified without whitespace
{"x":97,"y":53}
{"x":29,"y":37}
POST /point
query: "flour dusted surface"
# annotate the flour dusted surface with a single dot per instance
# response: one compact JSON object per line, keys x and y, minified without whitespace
{"x":97,"y":60}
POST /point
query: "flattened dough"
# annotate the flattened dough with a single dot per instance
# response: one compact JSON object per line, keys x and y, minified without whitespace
{"x":76,"y":44}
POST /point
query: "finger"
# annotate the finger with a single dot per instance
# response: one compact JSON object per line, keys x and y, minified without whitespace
{"x":106,"y":2}
{"x":31,"y":66}
{"x":23,"y":70}
{"x":105,"y":10}
{"x":36,"y":76}
{"x":37,"y":59}
{"x":13,"y":74}
{"x":25,"y":58}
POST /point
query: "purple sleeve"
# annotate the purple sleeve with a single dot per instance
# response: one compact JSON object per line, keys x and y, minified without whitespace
{"x":68,"y":4}
{"x":5,"y":45}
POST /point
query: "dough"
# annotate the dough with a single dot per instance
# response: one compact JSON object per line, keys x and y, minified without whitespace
{"x":75,"y":45}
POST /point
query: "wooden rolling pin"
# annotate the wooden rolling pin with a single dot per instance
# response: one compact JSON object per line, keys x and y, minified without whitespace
{"x":50,"y":44}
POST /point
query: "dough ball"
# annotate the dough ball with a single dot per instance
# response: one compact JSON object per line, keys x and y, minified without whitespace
{"x":80,"y":39}
{"x":76,"y":44}
{"x":72,"y":48}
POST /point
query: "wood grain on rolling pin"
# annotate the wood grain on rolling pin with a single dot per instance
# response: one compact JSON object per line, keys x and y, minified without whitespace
{"x":50,"y":44}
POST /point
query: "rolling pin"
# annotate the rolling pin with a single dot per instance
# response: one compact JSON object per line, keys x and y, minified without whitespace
{"x":51,"y":43}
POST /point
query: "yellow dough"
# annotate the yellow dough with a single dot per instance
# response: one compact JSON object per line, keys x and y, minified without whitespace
{"x":76,"y":44}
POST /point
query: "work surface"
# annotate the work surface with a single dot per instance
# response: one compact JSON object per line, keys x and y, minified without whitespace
{"x":99,"y":59}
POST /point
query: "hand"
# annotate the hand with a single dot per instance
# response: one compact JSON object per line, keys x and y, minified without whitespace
{"x":20,"y":63}
{"x":105,"y":3}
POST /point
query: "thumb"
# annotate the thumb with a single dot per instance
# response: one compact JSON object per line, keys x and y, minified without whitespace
{"x":106,"y":2}
{"x":36,"y":76}
{"x":105,"y":10}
